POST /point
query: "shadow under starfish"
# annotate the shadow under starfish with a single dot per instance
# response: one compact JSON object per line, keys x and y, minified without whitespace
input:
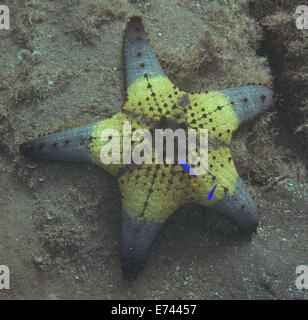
{"x":152,"y":192}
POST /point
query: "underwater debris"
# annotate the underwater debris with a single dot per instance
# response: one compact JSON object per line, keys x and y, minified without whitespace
{"x":187,"y":167}
{"x":24,"y":53}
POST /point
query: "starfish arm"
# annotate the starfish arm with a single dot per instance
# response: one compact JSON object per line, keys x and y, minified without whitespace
{"x":139,"y":56}
{"x":230,"y":197}
{"x":249,"y":101}
{"x":136,"y":239}
{"x":69,"y":145}
{"x":222,"y":111}
{"x":84,"y":144}
{"x":239,"y":207}
{"x":150,"y":194}
{"x":149,"y":91}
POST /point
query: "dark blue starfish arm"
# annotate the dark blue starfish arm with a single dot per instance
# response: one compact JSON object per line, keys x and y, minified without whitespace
{"x":70,"y":145}
{"x":139,"y":56}
{"x":136,"y":240}
{"x":239,"y":207}
{"x":249,"y":101}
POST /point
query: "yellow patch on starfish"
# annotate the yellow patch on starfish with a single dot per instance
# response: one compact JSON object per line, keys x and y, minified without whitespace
{"x":214,"y":111}
{"x":96,"y":143}
{"x":155,"y":98}
{"x":221,"y":172}
{"x":154,"y":192}
{"x":151,"y":192}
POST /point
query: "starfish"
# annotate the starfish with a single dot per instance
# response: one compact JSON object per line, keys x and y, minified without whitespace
{"x":152,"y":192}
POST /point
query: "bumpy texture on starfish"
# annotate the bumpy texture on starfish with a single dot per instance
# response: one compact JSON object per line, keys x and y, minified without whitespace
{"x":152,"y":192}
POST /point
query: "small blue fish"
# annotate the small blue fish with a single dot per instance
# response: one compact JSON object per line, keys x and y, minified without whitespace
{"x":210,"y":196}
{"x":187,"y":167}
